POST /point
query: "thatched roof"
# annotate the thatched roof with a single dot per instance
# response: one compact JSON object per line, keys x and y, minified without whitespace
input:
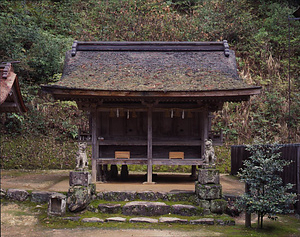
{"x":11,"y":100}
{"x":150,"y":67}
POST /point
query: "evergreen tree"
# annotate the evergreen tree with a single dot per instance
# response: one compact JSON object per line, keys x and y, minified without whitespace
{"x":267,"y":195}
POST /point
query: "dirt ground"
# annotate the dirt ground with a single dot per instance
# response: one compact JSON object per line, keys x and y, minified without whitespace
{"x":58,"y":180}
{"x":21,"y":222}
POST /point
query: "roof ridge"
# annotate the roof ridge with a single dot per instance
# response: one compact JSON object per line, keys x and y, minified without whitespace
{"x":165,"y":46}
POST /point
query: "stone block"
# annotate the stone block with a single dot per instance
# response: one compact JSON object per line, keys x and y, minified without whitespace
{"x":203,"y":221}
{"x":71,"y":218}
{"x":119,"y":196}
{"x":17,"y":194}
{"x":176,"y":196}
{"x":80,"y":178}
{"x":115,"y":219}
{"x":208,"y":176}
{"x":172,"y":220}
{"x":92,"y":220}
{"x":147,"y":196}
{"x":146,"y":208}
{"x":208,"y":191}
{"x":57,"y":205}
{"x":185,"y":210}
{"x":109,"y":208}
{"x":225,"y":222}
{"x":41,"y":196}
{"x":143,"y":220}
{"x":205,"y":205}
{"x":79,"y":197}
{"x":218,"y":206}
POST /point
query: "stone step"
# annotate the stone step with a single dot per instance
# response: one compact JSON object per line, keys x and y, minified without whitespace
{"x":144,"y":208}
{"x":146,"y":196}
{"x":168,"y":220}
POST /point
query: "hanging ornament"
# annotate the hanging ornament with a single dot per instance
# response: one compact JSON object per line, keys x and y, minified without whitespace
{"x":134,"y":114}
{"x":118,"y":113}
{"x":172,"y":113}
{"x":111,"y":113}
{"x":122,"y":113}
{"x":182,"y":115}
{"x":128,"y":115}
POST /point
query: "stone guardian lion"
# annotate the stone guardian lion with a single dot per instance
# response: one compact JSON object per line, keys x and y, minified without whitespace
{"x":81,"y":158}
{"x":209,"y":153}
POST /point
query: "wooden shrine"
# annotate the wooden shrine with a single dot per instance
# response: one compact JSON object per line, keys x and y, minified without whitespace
{"x":11,"y":100}
{"x":150,"y":103}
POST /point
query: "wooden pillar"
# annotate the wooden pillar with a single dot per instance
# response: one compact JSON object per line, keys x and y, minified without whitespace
{"x":149,"y":146}
{"x":204,"y":129}
{"x":95,"y":147}
{"x":193,"y":171}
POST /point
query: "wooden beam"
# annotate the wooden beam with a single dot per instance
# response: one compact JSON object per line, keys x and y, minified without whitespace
{"x":67,"y":93}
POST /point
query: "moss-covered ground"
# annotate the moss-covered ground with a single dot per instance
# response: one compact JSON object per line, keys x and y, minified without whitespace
{"x":284,"y":226}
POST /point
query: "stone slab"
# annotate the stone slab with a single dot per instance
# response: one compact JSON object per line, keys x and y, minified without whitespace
{"x":176,"y":196}
{"x":119,"y":196}
{"x":41,"y":196}
{"x":208,"y":176}
{"x":147,"y":196}
{"x":185,"y":210}
{"x":80,"y":178}
{"x":208,"y":191}
{"x":72,"y":218}
{"x":92,"y":220}
{"x":17,"y":194}
{"x":225,"y":222}
{"x":143,"y":220}
{"x":115,"y":219}
{"x":109,"y":208}
{"x":144,"y":208}
{"x":173,"y":220}
{"x":203,"y":221}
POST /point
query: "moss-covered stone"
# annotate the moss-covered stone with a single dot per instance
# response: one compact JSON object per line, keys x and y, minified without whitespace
{"x":146,"y":208}
{"x":208,"y":176}
{"x":119,"y":196}
{"x":186,"y":210}
{"x":218,"y":206}
{"x":208,"y":191}
{"x":79,"y":197}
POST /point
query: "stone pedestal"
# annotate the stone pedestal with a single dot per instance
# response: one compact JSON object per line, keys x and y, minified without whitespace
{"x":208,"y":176}
{"x":80,"y":178}
{"x":81,"y":190}
{"x":57,"y":205}
{"x":209,"y":190}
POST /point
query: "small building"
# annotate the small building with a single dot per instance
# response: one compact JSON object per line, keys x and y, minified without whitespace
{"x":11,"y":100}
{"x":150,"y":103}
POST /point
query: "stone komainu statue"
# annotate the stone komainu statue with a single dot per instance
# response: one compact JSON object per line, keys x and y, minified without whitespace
{"x":209,"y":153}
{"x":81,"y":158}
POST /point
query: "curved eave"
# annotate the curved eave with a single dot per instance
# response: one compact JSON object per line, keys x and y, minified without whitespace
{"x":63,"y":93}
{"x":12,"y":89}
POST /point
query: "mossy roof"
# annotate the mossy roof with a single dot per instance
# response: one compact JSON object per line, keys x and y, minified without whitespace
{"x":160,"y":71}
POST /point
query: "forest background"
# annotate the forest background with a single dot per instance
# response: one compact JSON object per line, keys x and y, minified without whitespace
{"x":38,"y":33}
